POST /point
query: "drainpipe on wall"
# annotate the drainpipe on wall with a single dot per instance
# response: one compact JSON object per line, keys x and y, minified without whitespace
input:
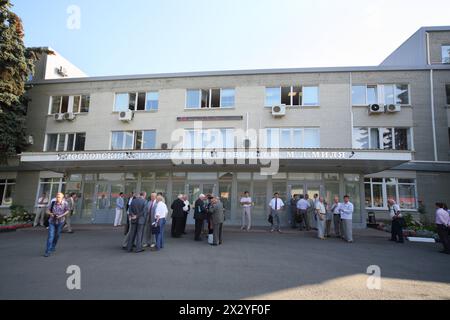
{"x":433,"y":124}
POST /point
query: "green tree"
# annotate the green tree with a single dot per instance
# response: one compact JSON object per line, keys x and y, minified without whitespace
{"x":16,"y":65}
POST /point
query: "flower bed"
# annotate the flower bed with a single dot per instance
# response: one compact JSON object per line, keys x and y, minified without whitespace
{"x":14,"y":227}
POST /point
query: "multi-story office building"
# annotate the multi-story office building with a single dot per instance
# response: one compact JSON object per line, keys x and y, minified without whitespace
{"x":370,"y":132}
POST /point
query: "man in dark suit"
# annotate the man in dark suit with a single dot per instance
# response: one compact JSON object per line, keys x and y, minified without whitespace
{"x":199,"y":216}
{"x":138,"y":215}
{"x":177,"y":216}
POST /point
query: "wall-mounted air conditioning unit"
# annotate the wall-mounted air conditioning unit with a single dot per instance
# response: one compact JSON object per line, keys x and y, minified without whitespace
{"x":126,"y":115}
{"x":279,"y":111}
{"x":70,"y":116}
{"x":390,"y":108}
{"x":62,"y":71}
{"x":59,"y":116}
{"x":376,"y":108}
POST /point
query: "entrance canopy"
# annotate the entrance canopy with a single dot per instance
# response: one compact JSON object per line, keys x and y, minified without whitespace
{"x":323,"y":160}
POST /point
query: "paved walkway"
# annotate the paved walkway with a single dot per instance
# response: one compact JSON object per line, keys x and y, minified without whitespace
{"x":249,"y":265}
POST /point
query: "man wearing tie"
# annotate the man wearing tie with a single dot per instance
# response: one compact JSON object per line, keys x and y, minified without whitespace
{"x":276,"y":205}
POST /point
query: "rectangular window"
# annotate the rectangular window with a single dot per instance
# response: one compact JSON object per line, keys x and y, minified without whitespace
{"x":121,"y":102}
{"x":122,"y":140}
{"x":372,"y":95}
{"x":296,"y":94}
{"x":141,"y":99}
{"x":65,"y":142}
{"x":292,"y":138}
{"x":65,"y":104}
{"x":210,"y":98}
{"x":310,"y":96}
{"x":402,"y":140}
{"x":387,"y":138}
{"x":52,"y":140}
{"x":446,"y":54}
{"x":389,"y":95}
{"x":360,"y":138}
{"x":359,"y":95}
{"x":148,"y":139}
{"x":51,"y":186}
{"x":152,"y":101}
{"x":193,"y":99}
{"x":209,"y":139}
{"x":215,"y":98}
{"x":286,"y":96}
{"x":227,"y":97}
{"x":374,"y":138}
{"x":273,"y":96}
{"x":85,"y":103}
{"x":56,"y":104}
{"x":7,"y":189}
{"x":403,"y":191}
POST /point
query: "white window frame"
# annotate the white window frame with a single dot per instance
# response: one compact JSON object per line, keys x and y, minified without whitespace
{"x":291,"y":135}
{"x":146,"y":99}
{"x":5,"y":185}
{"x":381,"y":92}
{"x":65,"y":141}
{"x":59,"y":183}
{"x":134,"y":139}
{"x":292,"y":96}
{"x":380,"y":138}
{"x":209,"y":107}
{"x":384,"y":184}
{"x":70,"y":107}
{"x":202,"y":132}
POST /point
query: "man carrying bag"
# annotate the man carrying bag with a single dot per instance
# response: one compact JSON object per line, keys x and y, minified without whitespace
{"x":397,"y":221}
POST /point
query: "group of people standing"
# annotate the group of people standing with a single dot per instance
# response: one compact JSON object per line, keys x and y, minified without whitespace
{"x":308,"y":213}
{"x":146,"y":219}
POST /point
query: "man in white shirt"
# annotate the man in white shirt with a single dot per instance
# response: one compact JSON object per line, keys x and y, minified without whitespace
{"x":41,"y":210}
{"x":246,"y":203}
{"x":397,"y":221}
{"x":160,"y":219}
{"x":276,"y":205}
{"x":320,"y":217}
{"x":346,"y":210}
{"x":311,"y":212}
{"x":302,"y":206}
{"x":443,"y":226}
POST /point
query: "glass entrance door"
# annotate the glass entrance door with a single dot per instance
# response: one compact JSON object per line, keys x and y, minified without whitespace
{"x":294,"y":188}
{"x":104,"y":206}
{"x":194,"y":189}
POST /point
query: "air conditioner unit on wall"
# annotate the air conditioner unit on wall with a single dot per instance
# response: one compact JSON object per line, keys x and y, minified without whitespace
{"x":69,"y":116}
{"x":279,"y":111}
{"x":126,"y":115}
{"x":59,"y":116}
{"x":390,"y":108}
{"x":376,"y":108}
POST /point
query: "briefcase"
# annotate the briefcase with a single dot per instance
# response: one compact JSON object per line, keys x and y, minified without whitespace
{"x":270,"y":219}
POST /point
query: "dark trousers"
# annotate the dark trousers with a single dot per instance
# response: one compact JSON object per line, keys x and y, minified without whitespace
{"x":183,"y":223}
{"x":305,"y":220}
{"x":198,"y":228}
{"x":136,"y":234}
{"x":443,"y":236}
{"x":177,"y":226}
{"x":396,"y":230}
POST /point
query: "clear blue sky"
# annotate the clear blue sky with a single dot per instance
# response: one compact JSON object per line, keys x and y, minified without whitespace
{"x":152,"y":36}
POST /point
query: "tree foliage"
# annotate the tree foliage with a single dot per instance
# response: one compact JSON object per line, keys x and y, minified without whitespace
{"x":16,"y":65}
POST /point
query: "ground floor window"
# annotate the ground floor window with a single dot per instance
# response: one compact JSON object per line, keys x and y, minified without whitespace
{"x":51,"y":186}
{"x":378,"y":190}
{"x":7,"y":188}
